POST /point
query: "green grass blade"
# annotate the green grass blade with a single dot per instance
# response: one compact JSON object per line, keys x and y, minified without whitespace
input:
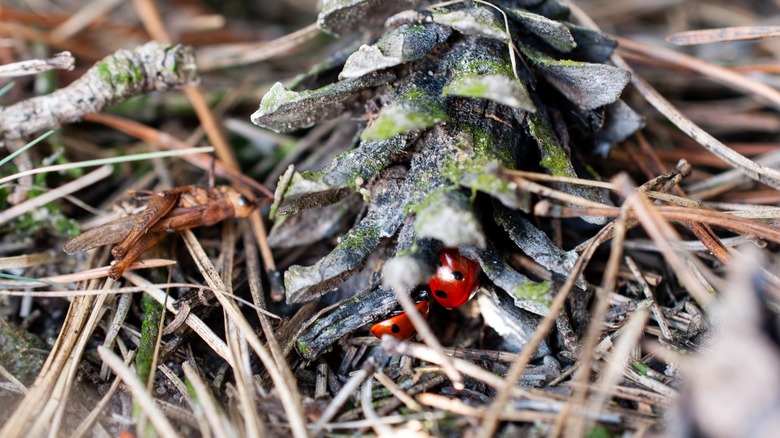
{"x":27,"y":146}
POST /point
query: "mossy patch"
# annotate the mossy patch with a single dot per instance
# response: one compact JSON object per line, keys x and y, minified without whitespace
{"x":49,"y":219}
{"x":432,"y":198}
{"x":640,"y":367}
{"x":349,"y":171}
{"x":536,"y":292}
{"x":276,"y":96}
{"x":476,"y":166}
{"x":303,"y":348}
{"x":414,"y":110}
{"x":483,"y":66}
{"x":145,"y":355}
{"x":121,"y":74}
{"x":359,"y":238}
{"x":20,"y":352}
{"x":488,"y":78}
{"x":466,"y":88}
{"x":104,"y":71}
{"x":554,"y":158}
{"x":486,"y":148}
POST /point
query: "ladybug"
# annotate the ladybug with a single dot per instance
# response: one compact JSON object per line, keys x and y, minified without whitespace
{"x":400,"y":326}
{"x":455,"y":280}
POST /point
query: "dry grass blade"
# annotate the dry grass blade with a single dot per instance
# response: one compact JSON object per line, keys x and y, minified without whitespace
{"x":366,"y":402}
{"x":723,"y":34}
{"x":60,"y":61}
{"x":166,"y":141}
{"x":715,"y":218}
{"x":232,"y":55}
{"x":523,"y":180}
{"x":88,"y":274}
{"x":122,"y":309}
{"x":84,"y":293}
{"x":731,"y":78}
{"x":196,"y":324}
{"x":29,"y":33}
{"x":87,"y":180}
{"x":90,"y":420}
{"x":244,"y":384}
{"x":394,"y":419}
{"x":450,"y":405}
{"x":82,"y":19}
{"x":29,"y":408}
{"x":597,"y":315}
{"x":59,"y":398}
{"x":237,"y":343}
{"x":425,"y":353}
{"x":728,"y":180}
{"x":397,"y":391}
{"x":618,"y":360}
{"x":491,"y":419}
{"x":754,"y":170}
{"x":455,"y":147}
{"x":422,"y":327}
{"x":261,"y":236}
{"x":137,"y":388}
{"x":665,"y":236}
{"x":460,"y":408}
{"x":287,"y":390}
{"x":256,"y":289}
{"x":213,"y":132}
{"x":13,"y":380}
{"x":153,"y":23}
{"x":339,"y":400}
{"x":582,"y":415}
{"x":27,"y":260}
{"x":203,"y":397}
{"x":659,"y":315}
{"x":103,"y":161}
{"x":181,"y":387}
{"x":150,"y":17}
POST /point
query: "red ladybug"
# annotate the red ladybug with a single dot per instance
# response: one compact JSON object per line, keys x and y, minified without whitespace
{"x":455,"y":280}
{"x":399,"y":326}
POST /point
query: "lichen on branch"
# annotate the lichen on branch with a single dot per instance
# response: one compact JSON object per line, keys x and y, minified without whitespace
{"x":153,"y":66}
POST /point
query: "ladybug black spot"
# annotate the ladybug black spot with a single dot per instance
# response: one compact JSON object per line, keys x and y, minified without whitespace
{"x":441,"y":294}
{"x":395,"y":328}
{"x":458,"y":275}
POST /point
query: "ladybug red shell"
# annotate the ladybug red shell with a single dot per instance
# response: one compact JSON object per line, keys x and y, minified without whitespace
{"x":455,"y":280}
{"x":399,"y":326}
